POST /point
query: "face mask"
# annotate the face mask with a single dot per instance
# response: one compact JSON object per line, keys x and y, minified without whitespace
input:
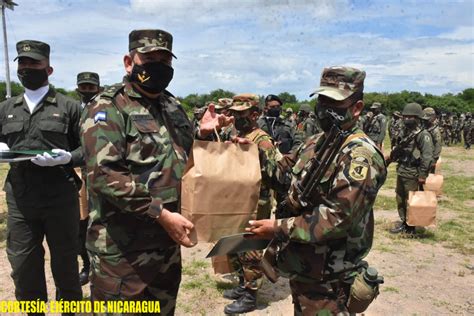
{"x":32,"y":79}
{"x":326,"y":120}
{"x":86,"y":97}
{"x":152,"y":77}
{"x":242,"y":124}
{"x":273,"y":112}
{"x":410,"y":123}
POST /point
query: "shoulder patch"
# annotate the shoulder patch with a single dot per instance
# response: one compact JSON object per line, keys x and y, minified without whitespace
{"x":358,"y":170}
{"x":100,"y":116}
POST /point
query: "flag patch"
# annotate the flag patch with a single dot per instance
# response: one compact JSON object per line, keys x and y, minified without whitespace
{"x":100,"y":117}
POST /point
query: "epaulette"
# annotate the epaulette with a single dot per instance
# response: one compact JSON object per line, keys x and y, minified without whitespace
{"x":111,"y":91}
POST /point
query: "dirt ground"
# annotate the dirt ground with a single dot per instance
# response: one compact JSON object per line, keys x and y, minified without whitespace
{"x":421,"y":278}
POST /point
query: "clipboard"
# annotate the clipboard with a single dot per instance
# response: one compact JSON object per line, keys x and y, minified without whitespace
{"x":237,"y":243}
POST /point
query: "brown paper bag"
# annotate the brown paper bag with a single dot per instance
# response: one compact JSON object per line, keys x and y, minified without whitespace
{"x":422,"y":208}
{"x":83,"y":204}
{"x":222,"y":265}
{"x":438,"y":166}
{"x":220,"y":188}
{"x":434,"y":183}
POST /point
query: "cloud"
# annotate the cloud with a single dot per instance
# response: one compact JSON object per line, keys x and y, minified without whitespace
{"x":261,"y":46}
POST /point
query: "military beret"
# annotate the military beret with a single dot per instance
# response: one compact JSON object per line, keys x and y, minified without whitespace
{"x":88,"y":77}
{"x":32,"y":49}
{"x":146,"y":41}
{"x":339,"y":83}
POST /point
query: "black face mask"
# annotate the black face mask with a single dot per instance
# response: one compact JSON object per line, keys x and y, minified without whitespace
{"x":32,"y":79}
{"x":242,"y":124}
{"x":86,"y":97}
{"x":273,"y":112}
{"x":410,"y":123}
{"x":152,"y":77}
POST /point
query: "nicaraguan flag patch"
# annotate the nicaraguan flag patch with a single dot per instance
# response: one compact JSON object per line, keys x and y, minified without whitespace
{"x":100,"y":116}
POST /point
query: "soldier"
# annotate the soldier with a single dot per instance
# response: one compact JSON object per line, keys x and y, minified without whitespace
{"x":279,"y":130}
{"x":430,"y":124}
{"x":378,"y":125}
{"x":414,"y":155}
{"x":88,"y":85}
{"x":136,"y":139}
{"x":468,"y":131}
{"x":44,"y":120}
{"x":454,"y":129}
{"x":289,"y":116}
{"x":307,"y":126}
{"x":394,"y":127}
{"x":446,"y":129}
{"x":246,"y":112}
{"x":323,"y":245}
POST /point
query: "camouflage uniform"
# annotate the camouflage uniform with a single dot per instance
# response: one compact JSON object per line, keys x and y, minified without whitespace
{"x":321,"y":247}
{"x":136,"y":151}
{"x":468,"y":131}
{"x":247,"y":264}
{"x":90,"y":78}
{"x":378,"y":125}
{"x":414,"y":164}
{"x":395,"y":126}
{"x":433,"y":129}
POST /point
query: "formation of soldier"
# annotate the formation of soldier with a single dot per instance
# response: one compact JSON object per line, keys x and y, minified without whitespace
{"x":132,"y":141}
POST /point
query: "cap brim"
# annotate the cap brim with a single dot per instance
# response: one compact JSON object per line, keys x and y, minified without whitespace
{"x":239,"y":108}
{"x":333,"y":93}
{"x":88,"y":81}
{"x":33,"y":55}
{"x":149,"y":49}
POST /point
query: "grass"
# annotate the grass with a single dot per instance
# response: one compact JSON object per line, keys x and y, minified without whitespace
{"x":390,"y":289}
{"x":3,"y":207}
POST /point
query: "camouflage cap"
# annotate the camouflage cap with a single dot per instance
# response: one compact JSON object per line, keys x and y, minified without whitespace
{"x":245,"y":101}
{"x":88,"y":77}
{"x":339,"y":83}
{"x":397,"y":114}
{"x":289,"y":110}
{"x":376,"y":105}
{"x":223,"y":103}
{"x":32,"y":49}
{"x":146,"y":41}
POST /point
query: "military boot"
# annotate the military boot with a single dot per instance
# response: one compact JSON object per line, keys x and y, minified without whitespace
{"x":399,"y":229}
{"x":236,"y":292}
{"x":245,"y":304}
{"x":409,"y":230}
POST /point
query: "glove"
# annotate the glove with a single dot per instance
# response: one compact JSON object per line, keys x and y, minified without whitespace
{"x":4,"y":147}
{"x":46,"y":160}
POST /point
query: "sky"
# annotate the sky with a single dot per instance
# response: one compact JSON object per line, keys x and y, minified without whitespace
{"x":259,"y":46}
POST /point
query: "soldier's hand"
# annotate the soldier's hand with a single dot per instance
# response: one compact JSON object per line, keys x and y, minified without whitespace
{"x":261,"y":229}
{"x":240,"y":140}
{"x":177,"y":227}
{"x":421,"y":181}
{"x":211,"y":120}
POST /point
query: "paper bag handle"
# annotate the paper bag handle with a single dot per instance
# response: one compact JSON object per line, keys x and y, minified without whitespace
{"x":217,"y":134}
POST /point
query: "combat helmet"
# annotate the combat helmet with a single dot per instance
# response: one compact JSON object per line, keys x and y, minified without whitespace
{"x":413,"y":109}
{"x":305,"y":108}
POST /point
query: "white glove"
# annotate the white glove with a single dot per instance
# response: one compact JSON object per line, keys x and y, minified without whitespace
{"x":4,"y":147}
{"x":45,"y":160}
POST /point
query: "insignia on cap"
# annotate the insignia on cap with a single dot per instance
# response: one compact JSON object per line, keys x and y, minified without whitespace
{"x":26,"y":48}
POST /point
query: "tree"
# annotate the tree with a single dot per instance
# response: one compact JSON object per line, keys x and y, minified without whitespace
{"x":286,"y":97}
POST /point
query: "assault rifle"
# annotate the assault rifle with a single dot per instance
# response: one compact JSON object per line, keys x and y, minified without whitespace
{"x":307,"y":189}
{"x":400,"y":147}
